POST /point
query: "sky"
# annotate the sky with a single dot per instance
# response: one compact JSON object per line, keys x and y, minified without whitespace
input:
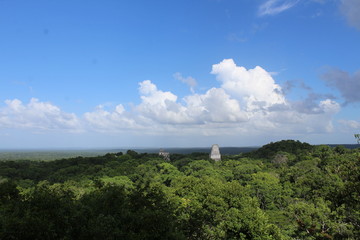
{"x":178,"y":73}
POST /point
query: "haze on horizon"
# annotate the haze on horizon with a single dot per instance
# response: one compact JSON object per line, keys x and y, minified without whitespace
{"x":144,"y":74}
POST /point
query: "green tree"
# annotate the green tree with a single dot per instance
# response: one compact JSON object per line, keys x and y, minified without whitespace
{"x":43,"y":213}
{"x":317,"y":221}
{"x":266,"y":188}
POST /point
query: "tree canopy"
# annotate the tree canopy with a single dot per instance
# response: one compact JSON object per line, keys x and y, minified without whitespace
{"x":284,"y":190}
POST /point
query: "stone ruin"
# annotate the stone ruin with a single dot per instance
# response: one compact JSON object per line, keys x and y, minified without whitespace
{"x":215,"y":152}
{"x":165,"y":155}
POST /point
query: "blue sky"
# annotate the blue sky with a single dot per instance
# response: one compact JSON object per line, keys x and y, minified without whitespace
{"x":178,"y":73}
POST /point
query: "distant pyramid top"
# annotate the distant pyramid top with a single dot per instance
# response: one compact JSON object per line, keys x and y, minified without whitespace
{"x":165,"y":155}
{"x":215,"y":153}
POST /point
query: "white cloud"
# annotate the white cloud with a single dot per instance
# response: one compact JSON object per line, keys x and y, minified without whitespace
{"x":215,"y":106}
{"x":273,"y":7}
{"x":248,"y":103}
{"x":160,"y":106}
{"x":255,"y":88}
{"x":105,"y":121}
{"x":36,"y":115}
{"x":351,"y":10}
{"x":329,"y":106}
{"x":317,"y":121}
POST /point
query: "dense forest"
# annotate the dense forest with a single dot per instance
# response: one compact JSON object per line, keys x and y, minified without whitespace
{"x":283,"y":190}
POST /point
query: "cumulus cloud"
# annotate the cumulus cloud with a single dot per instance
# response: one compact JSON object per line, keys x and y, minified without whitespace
{"x":293,"y":121}
{"x":255,"y":88}
{"x":160,"y":106}
{"x":116,"y":120}
{"x":190,"y":81}
{"x":348,"y":85}
{"x":351,"y":10}
{"x":273,"y":7}
{"x":36,"y":115}
{"x":215,"y":106}
{"x":249,"y":101}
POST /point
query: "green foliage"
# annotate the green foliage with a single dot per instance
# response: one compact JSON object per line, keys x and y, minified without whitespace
{"x":315,"y":220}
{"x":8,"y":191}
{"x":290,"y":146}
{"x":284,"y":190}
{"x":266,"y":188}
{"x":43,"y":213}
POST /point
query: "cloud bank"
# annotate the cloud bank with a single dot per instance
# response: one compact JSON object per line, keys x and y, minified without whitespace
{"x":249,"y":101}
{"x":37,"y":115}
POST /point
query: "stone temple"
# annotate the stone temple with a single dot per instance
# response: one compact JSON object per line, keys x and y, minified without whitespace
{"x":165,"y":155}
{"x":215,"y":153}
